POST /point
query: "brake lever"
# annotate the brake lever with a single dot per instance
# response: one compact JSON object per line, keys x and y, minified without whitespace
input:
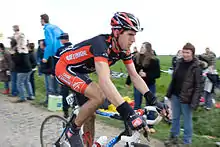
{"x":167,"y":112}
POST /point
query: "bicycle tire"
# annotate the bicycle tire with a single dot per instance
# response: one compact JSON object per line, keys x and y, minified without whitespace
{"x":44,"y":122}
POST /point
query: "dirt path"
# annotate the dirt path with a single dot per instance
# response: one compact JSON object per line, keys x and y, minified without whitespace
{"x":20,"y":125}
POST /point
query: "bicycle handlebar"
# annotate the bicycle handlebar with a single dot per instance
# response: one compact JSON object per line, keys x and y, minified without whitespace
{"x":72,"y":102}
{"x":143,"y":112}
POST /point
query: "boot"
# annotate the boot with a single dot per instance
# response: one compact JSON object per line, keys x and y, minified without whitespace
{"x":171,"y":141}
{"x":6,"y":91}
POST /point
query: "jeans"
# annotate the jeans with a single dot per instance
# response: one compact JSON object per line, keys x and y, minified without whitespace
{"x":28,"y":81}
{"x":22,"y":80}
{"x":32,"y":82}
{"x":178,"y":109}
{"x":138,"y":101}
{"x":14,"y":90}
{"x":6,"y":85}
{"x":138,"y":96}
{"x":208,"y":99}
{"x":55,"y":86}
{"x":38,"y":69}
{"x":65,"y":93}
{"x":48,"y":86}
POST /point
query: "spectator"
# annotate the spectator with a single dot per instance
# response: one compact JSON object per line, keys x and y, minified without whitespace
{"x":20,"y":58}
{"x":46,"y":69}
{"x":210,"y":57}
{"x":176,"y":58}
{"x":211,"y":79}
{"x":64,"y":38}
{"x":148,"y":67}
{"x":13,"y":73}
{"x":5,"y":59}
{"x":184,"y":92}
{"x":39,"y":55}
{"x":51,"y":33}
{"x":33,"y":62}
{"x":134,"y":50}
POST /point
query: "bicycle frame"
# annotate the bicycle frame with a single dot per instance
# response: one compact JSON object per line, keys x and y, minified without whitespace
{"x":131,"y":138}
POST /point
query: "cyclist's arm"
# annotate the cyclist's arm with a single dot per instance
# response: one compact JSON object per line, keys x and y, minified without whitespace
{"x":138,"y":82}
{"x":105,"y":83}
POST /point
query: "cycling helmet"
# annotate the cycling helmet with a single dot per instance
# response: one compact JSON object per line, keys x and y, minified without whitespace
{"x":123,"y":20}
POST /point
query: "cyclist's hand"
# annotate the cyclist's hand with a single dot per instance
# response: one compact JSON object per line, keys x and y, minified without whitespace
{"x":136,"y":122}
{"x":163,"y":109}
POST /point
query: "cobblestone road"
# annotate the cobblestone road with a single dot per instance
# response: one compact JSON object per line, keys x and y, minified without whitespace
{"x":20,"y":125}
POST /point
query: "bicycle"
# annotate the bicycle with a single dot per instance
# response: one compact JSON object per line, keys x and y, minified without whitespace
{"x":129,"y":137}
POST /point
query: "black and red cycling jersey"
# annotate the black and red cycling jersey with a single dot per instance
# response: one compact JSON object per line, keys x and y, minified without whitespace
{"x":77,"y":60}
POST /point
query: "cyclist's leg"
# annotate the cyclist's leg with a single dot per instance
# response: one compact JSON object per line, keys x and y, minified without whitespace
{"x":89,"y":125}
{"x":96,"y":98}
{"x":89,"y":131}
{"x":81,"y":84}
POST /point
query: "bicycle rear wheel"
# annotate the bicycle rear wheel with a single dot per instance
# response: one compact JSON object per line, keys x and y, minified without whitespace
{"x":51,"y":130}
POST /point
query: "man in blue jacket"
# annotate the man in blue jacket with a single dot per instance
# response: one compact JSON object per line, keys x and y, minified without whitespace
{"x":51,"y":33}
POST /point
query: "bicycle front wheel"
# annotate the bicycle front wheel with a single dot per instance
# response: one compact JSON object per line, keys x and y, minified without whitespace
{"x":51,"y":130}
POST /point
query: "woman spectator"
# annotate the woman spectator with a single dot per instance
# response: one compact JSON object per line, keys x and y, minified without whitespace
{"x":184,"y":92}
{"x":148,"y":67}
{"x":33,"y":62}
{"x":5,"y":60}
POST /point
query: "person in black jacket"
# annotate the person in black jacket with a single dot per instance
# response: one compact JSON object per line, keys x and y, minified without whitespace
{"x":46,"y":69}
{"x":33,"y":62}
{"x":184,"y":93}
{"x":148,"y":67}
{"x":64,"y":38}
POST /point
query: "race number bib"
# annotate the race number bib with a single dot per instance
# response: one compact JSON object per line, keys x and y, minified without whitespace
{"x":70,"y":99}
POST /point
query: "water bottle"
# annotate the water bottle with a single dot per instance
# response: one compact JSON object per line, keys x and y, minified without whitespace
{"x":101,"y":142}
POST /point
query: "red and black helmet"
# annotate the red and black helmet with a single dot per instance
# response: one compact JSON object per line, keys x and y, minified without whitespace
{"x":123,"y":20}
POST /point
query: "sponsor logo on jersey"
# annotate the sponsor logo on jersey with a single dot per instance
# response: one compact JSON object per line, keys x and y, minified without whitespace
{"x":77,"y":86}
{"x":76,"y":55}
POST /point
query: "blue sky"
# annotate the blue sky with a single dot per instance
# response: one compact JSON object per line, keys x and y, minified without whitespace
{"x":168,"y":25}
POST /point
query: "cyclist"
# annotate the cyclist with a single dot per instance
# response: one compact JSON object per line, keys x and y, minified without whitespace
{"x":96,"y":55}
